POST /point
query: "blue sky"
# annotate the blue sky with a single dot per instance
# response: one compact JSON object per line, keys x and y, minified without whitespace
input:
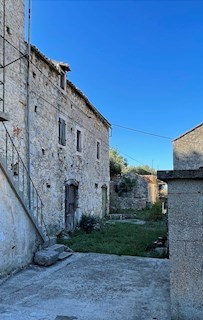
{"x":139,"y":62}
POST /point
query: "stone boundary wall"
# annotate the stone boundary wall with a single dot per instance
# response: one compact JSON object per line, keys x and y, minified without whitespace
{"x":185,"y":221}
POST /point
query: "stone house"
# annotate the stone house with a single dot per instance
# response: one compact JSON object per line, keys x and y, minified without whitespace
{"x":185,"y":207}
{"x":54,"y":146}
{"x":188,"y":149}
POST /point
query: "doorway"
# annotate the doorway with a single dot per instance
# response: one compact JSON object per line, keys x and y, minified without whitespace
{"x":71,"y":203}
{"x":104,"y":200}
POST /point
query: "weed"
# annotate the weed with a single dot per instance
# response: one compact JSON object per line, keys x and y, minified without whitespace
{"x":119,"y":238}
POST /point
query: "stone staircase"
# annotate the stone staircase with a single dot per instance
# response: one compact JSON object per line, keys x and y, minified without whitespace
{"x":52,"y":254}
{"x":21,"y":183}
{"x":17,"y":176}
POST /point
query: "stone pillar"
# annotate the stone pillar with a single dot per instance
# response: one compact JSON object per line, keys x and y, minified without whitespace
{"x":185,"y":214}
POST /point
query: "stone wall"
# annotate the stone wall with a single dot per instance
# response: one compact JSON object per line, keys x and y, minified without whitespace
{"x":136,"y":198}
{"x":185,"y":207}
{"x":53,"y":165}
{"x":188,"y":150}
{"x":18,"y":239}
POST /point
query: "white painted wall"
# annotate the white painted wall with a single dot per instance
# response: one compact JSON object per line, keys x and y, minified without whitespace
{"x":18,"y":239}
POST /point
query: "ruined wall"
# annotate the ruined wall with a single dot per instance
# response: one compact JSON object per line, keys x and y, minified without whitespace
{"x":18,"y":239}
{"x":152,"y":188}
{"x":135,"y":198}
{"x":188,"y":150}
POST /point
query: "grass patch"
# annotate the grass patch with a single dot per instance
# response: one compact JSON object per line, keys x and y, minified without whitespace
{"x":119,"y":238}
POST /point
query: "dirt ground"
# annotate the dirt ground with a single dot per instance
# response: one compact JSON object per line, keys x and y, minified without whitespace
{"x":89,"y":286}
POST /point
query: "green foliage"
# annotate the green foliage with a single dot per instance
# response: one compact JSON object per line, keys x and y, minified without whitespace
{"x":142,"y":170}
{"x":126,"y":185}
{"x":155,"y":213}
{"x":90,"y":223}
{"x":117,"y":163}
{"x":119,"y":238}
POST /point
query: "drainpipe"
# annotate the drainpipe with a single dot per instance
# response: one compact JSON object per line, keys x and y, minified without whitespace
{"x":28,"y":104}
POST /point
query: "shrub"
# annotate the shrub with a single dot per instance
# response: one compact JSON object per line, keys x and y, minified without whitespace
{"x":126,"y":185}
{"x":155,"y":213}
{"x":90,"y":223}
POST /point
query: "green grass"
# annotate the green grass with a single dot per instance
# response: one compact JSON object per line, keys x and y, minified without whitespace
{"x":119,"y":238}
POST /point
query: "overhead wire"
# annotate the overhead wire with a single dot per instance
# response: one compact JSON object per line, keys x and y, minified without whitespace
{"x":143,"y":132}
{"x":57,"y":88}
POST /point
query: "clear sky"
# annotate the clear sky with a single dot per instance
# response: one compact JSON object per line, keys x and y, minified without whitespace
{"x":139,"y":62}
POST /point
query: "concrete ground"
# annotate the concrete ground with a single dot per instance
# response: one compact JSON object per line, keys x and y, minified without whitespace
{"x":89,"y":286}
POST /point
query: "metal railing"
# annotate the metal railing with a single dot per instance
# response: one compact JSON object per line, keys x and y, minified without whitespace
{"x":15,"y":165}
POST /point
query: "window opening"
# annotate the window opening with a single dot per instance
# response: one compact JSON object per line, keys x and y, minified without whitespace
{"x":62,"y":132}
{"x":79,"y":143}
{"x":63,"y":80}
{"x":98,"y":150}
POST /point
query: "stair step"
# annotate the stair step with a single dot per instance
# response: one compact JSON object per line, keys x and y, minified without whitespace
{"x":46,"y":257}
{"x":57,"y":247}
{"x":49,"y":242}
{"x":64,"y":255}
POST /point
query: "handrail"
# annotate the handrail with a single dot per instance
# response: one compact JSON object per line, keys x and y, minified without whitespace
{"x":15,"y":164}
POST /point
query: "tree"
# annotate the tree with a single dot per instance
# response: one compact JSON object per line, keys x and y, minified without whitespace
{"x":118,"y":164}
{"x":142,"y":170}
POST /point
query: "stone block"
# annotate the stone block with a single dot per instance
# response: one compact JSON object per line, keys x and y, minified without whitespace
{"x":194,"y":249}
{"x":178,"y":232}
{"x":177,"y":248}
{"x":46,"y":257}
{"x":57,"y":247}
{"x":64,"y":255}
{"x":185,"y":186}
{"x":185,"y":209}
{"x":161,"y":250}
{"x":186,"y":287}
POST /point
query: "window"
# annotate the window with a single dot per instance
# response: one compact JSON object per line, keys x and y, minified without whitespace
{"x":78,"y":141}
{"x":62,"y":132}
{"x":63,"y":80}
{"x":98,"y":150}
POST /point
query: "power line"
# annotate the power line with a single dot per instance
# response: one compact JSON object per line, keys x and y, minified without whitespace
{"x":53,"y":84}
{"x":131,"y":158}
{"x":57,"y":88}
{"x":144,"y":132}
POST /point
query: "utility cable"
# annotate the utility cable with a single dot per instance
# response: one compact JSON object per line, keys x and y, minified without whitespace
{"x":57,"y":88}
{"x":24,"y":56}
{"x":144,"y":132}
{"x":131,"y":158}
{"x":65,"y":114}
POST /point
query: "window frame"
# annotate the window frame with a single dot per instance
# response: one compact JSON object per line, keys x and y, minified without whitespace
{"x":61,"y":131}
{"x":79,"y":146}
{"x":62,"y":80}
{"x":98,"y":150}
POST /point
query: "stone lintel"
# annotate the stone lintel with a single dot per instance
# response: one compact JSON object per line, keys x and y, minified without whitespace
{"x":3,"y":116}
{"x":168,"y":175}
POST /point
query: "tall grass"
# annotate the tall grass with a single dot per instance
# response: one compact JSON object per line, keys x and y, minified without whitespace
{"x":119,"y":238}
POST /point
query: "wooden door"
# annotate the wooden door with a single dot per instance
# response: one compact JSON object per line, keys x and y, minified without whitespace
{"x":104,"y":200}
{"x":71,"y":196}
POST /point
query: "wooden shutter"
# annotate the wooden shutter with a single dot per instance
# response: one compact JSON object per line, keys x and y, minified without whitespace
{"x":62,"y":132}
